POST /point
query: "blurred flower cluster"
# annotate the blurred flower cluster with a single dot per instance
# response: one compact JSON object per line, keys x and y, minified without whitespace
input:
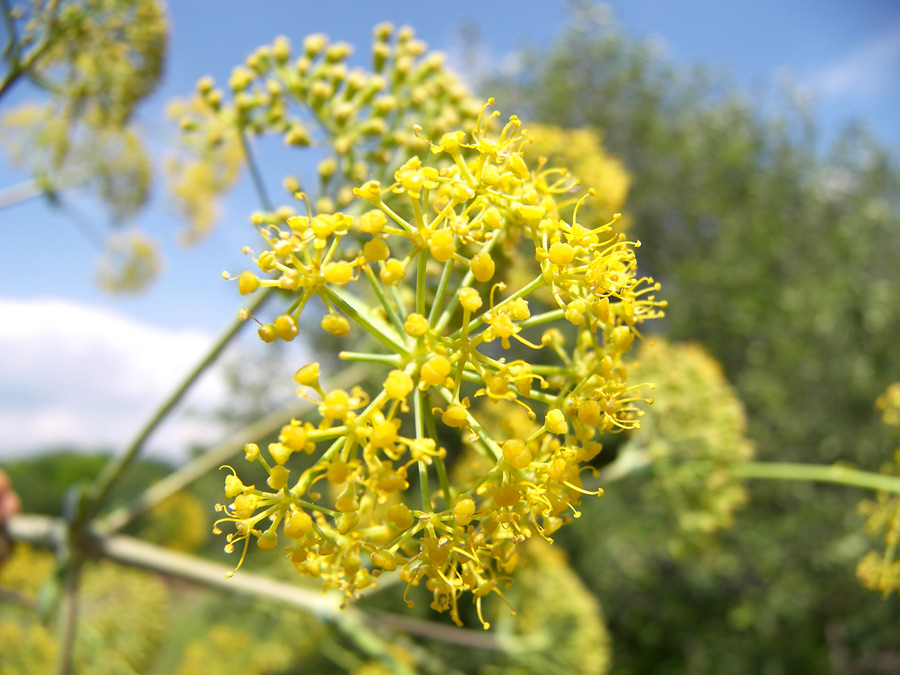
{"x":693,"y":433}
{"x":124,"y":615}
{"x":460,"y":266}
{"x":97,"y":59}
{"x":561,"y":623}
{"x":880,"y":570}
{"x":581,"y":151}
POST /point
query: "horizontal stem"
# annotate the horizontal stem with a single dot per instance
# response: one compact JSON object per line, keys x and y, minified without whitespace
{"x":47,"y":532}
{"x":365,"y":357}
{"x":545,"y":317}
{"x":818,"y":473}
{"x":16,"y":194}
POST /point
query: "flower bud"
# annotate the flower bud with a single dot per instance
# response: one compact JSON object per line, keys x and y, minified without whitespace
{"x":463,"y":511}
{"x":516,"y":453}
{"x":482,"y":266}
{"x":297,"y":524}
{"x":435,"y":370}
{"x":556,"y":422}
{"x":398,"y":385}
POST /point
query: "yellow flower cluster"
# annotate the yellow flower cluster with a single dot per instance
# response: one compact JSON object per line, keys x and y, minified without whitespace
{"x":196,"y":182}
{"x":889,"y":405}
{"x":124,"y":615}
{"x":130,"y":262}
{"x":880,"y":571}
{"x":60,"y":154}
{"x":179,"y":522}
{"x":363,"y":118}
{"x":559,"y":620}
{"x":421,"y":273}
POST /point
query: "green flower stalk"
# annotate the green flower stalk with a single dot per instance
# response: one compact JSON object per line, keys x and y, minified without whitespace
{"x":419,"y":275}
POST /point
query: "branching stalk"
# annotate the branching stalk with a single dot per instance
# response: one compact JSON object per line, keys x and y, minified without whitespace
{"x":118,"y":466}
{"x":45,"y":531}
{"x":817,"y":473}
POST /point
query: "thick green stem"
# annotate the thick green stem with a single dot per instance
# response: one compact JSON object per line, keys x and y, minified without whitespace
{"x":420,"y":402}
{"x":201,"y":466}
{"x":439,"y":293}
{"x":420,"y":282}
{"x":391,"y":360}
{"x":68,"y":613}
{"x":546,"y":317}
{"x":431,"y":428}
{"x":12,"y":43}
{"x":382,"y":298}
{"x":117,"y":467}
{"x":45,"y":531}
{"x":20,"y":66}
{"x":839,"y":475}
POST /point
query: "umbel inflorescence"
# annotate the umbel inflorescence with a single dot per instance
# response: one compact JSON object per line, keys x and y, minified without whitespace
{"x":473,"y":291}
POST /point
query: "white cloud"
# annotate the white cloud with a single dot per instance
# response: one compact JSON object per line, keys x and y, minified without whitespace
{"x":867,"y":72}
{"x":77,"y":375}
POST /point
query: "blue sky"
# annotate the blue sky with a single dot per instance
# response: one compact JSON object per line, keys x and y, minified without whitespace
{"x":845,"y":56}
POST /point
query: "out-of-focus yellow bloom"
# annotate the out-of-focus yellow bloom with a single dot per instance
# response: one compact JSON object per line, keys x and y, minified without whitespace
{"x":581,"y":151}
{"x":557,"y":617}
{"x":880,"y":571}
{"x":196,"y":182}
{"x":889,"y":405}
{"x":693,"y":433}
{"x":98,"y":59}
{"x":123,"y":615}
{"x":180,"y":522}
{"x":129,"y":263}
{"x":60,"y":153}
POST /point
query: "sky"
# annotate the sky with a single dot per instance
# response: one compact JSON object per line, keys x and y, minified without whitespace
{"x":80,"y":367}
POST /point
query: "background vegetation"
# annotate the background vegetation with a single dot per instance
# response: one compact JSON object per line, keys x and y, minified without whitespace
{"x":780,"y":258}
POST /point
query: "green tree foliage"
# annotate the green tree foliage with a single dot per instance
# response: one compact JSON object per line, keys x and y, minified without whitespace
{"x":780,"y":259}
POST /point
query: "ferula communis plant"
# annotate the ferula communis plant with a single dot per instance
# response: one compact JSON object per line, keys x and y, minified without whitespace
{"x":470,"y":290}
